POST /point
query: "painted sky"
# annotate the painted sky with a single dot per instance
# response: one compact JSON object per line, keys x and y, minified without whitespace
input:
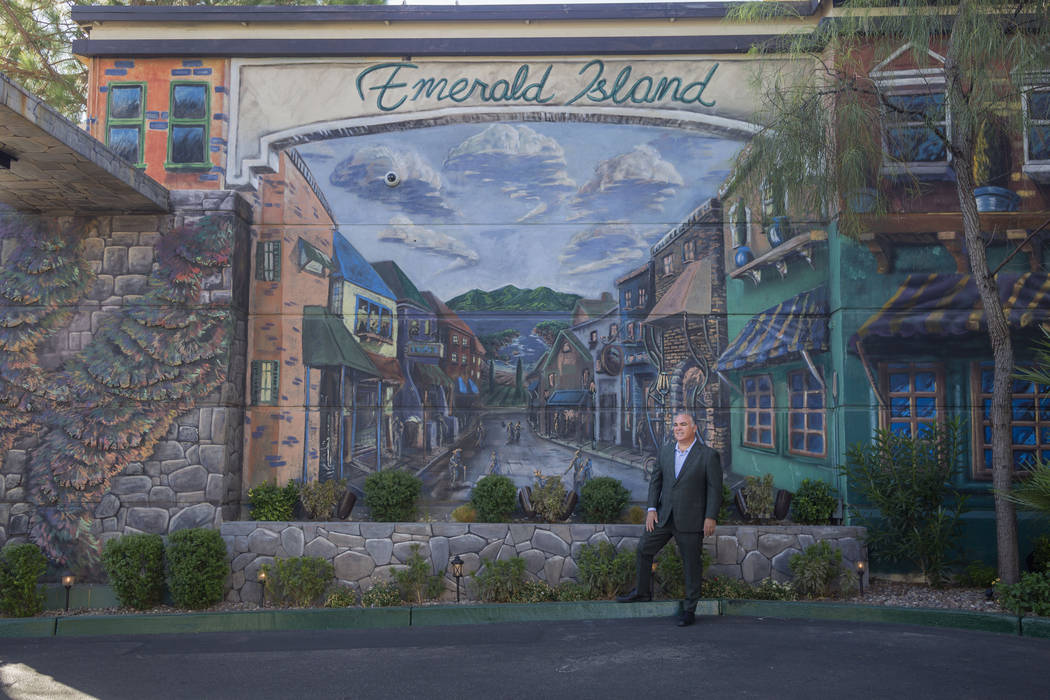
{"x":570,"y":206}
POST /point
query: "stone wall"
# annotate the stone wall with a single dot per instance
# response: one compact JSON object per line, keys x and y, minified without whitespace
{"x":365,"y":553}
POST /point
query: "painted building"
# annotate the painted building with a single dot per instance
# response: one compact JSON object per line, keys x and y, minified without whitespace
{"x":639,"y":373}
{"x":597,"y":326}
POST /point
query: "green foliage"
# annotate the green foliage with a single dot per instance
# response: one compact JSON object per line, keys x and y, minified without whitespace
{"x":493,"y":498}
{"x":511,"y":298}
{"x":813,"y":503}
{"x":724,"y":587}
{"x":341,"y":597}
{"x":670,"y":573}
{"x":135,"y":566}
{"x":319,"y":498}
{"x":494,"y":342}
{"x":197,"y":568}
{"x":602,"y":499}
{"x":549,"y":500}
{"x":816,"y":569}
{"x":535,"y":592}
{"x":977,"y":574}
{"x":21,"y":566}
{"x":298,"y":581}
{"x":415,"y":580}
{"x":605,"y":571}
{"x":635,"y":515}
{"x":392,"y":495}
{"x":1029,"y":595}
{"x":270,"y":502}
{"x":909,"y":481}
{"x":383,"y":594}
{"x":465,"y":514}
{"x":768,"y":589}
{"x":727,"y":499}
{"x":758,"y":496}
{"x":500,"y":580}
{"x":1041,"y":554}
{"x":1033,"y":491}
{"x":571,"y":592}
{"x":548,"y":330}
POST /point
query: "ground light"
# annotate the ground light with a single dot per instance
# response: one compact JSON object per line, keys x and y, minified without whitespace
{"x":68,"y":580}
{"x":262,"y":582}
{"x":860,"y":576}
{"x":457,"y":572}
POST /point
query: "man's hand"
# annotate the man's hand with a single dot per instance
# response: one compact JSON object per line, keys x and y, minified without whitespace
{"x":650,"y":521}
{"x":709,"y":526}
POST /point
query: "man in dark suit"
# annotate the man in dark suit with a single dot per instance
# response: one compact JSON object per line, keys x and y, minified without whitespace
{"x":685,"y":493}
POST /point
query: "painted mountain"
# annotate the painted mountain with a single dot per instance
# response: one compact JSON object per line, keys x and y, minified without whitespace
{"x":511,"y":298}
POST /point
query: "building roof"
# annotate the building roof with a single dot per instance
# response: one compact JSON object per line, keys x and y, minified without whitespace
{"x":781,"y":332}
{"x":570,"y":337}
{"x":594,"y":308}
{"x":450,"y":317}
{"x":352,"y":267}
{"x":690,"y":294}
{"x":403,"y":288}
{"x":632,"y":274}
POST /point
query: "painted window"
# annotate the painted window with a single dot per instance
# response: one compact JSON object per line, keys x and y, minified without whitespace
{"x":915,"y":394}
{"x":427,"y":327}
{"x":627,"y":299}
{"x":265,"y":380}
{"x":372,"y":318}
{"x":806,"y":419}
{"x":335,"y":298}
{"x":413,"y":327}
{"x":740,"y":219}
{"x":125,"y":120}
{"x":455,"y":339}
{"x":758,"y":411}
{"x":1029,"y":422}
{"x":641,"y":297}
{"x":594,"y":339}
{"x":188,"y":125}
{"x":455,"y":358}
{"x":268,"y":261}
{"x":916,"y":127}
{"x":1037,"y":137}
{"x":614,"y":330}
{"x":669,"y":264}
{"x":689,"y":251}
{"x":550,"y":379}
{"x":312,"y":259}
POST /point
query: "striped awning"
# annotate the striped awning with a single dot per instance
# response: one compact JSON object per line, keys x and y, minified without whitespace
{"x":932,"y":305}
{"x":781,"y":332}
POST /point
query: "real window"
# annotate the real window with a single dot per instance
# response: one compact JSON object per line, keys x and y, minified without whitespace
{"x":758,"y":411}
{"x":915,"y":394}
{"x":125,"y":120}
{"x":806,"y":419}
{"x":916,"y":127}
{"x":265,"y":381}
{"x":1029,"y":422}
{"x":268,"y":261}
{"x":669,"y":264}
{"x":188,"y":125}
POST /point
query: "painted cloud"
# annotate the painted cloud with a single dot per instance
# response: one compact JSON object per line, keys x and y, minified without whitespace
{"x":608,"y":247}
{"x":419,"y":192}
{"x":628,"y":183}
{"x":522,"y":163}
{"x":402,"y":230}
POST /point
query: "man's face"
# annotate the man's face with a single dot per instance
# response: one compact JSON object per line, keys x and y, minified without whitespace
{"x":684,"y":428}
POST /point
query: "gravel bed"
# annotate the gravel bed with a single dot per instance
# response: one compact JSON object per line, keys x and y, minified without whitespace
{"x":914,"y":595}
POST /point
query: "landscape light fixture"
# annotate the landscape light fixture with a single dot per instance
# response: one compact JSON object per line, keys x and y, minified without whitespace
{"x":457,"y":572}
{"x":68,"y":580}
{"x":860,"y":576}
{"x":5,"y":160}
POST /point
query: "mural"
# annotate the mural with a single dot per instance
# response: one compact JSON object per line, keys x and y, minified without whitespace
{"x":473,"y":270}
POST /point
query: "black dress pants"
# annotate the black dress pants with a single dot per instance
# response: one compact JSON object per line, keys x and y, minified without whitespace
{"x":690,"y":546}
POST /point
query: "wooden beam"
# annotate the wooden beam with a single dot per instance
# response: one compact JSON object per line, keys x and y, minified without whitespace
{"x":1033,"y":247}
{"x":953,"y":243}
{"x":880,"y":249}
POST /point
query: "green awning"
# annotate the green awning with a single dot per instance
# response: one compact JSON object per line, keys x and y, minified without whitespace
{"x":312,"y":259}
{"x":432,"y":374}
{"x":328,"y":343}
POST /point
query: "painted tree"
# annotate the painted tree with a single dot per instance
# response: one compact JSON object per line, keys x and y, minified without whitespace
{"x":818,"y":144}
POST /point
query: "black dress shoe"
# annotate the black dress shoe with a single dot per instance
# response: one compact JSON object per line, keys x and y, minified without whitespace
{"x":634,"y":597}
{"x":685,"y":619}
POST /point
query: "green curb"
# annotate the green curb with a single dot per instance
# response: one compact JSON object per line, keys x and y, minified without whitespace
{"x":960,"y":619}
{"x":247,"y":621}
{"x":82,"y":595}
{"x":28,"y":627}
{"x":1035,"y":627}
{"x":515,"y":612}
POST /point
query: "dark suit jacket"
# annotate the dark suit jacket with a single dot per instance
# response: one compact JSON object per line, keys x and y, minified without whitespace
{"x":696,"y":493}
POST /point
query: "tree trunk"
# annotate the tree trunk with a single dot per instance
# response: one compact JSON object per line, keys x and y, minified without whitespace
{"x":962,"y":146}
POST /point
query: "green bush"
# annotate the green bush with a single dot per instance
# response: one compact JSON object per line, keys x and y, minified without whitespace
{"x":670,"y":573}
{"x":570,"y":592}
{"x":1029,"y":595}
{"x":768,"y":589}
{"x":816,"y":569}
{"x":298,"y":581}
{"x":392,"y":495}
{"x":724,"y":587}
{"x":135,"y":566}
{"x":635,"y":515}
{"x":549,"y":500}
{"x":1041,"y":554}
{"x":21,"y":566}
{"x":465,"y":514}
{"x":908,"y":480}
{"x":272,"y":503}
{"x":500,"y":580}
{"x":535,"y":592}
{"x":605,"y":571}
{"x":415,"y":580}
{"x":197,"y":568}
{"x":341,"y":597}
{"x":319,"y":498}
{"x":813,"y":503}
{"x":758,"y":497}
{"x":494,"y":498}
{"x":602,"y":499}
{"x":977,"y":574}
{"x":382,"y":595}
{"x":727,"y":499}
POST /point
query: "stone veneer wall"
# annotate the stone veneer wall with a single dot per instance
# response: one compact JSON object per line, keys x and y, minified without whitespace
{"x":365,"y":553}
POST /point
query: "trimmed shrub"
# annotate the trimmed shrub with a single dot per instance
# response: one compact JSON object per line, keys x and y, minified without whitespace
{"x":549,"y":500}
{"x":602,"y":499}
{"x":21,"y":566}
{"x":272,"y":503}
{"x":135,"y":566}
{"x":813,"y":503}
{"x":816,"y":569}
{"x":197,"y":568}
{"x":605,"y":571}
{"x":319,"y":498}
{"x":298,"y":581}
{"x":758,"y":497}
{"x":500,"y":580}
{"x":392,"y":495}
{"x":341,"y":597}
{"x":977,"y":574}
{"x":415,"y":580}
{"x":1029,"y":595}
{"x":384,"y":594}
{"x":465,"y":514}
{"x":494,"y":498}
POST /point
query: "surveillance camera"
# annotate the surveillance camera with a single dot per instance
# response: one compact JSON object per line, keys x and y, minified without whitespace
{"x":392,"y":179}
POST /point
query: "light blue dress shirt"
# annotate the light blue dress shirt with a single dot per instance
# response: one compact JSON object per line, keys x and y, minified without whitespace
{"x":679,"y":460}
